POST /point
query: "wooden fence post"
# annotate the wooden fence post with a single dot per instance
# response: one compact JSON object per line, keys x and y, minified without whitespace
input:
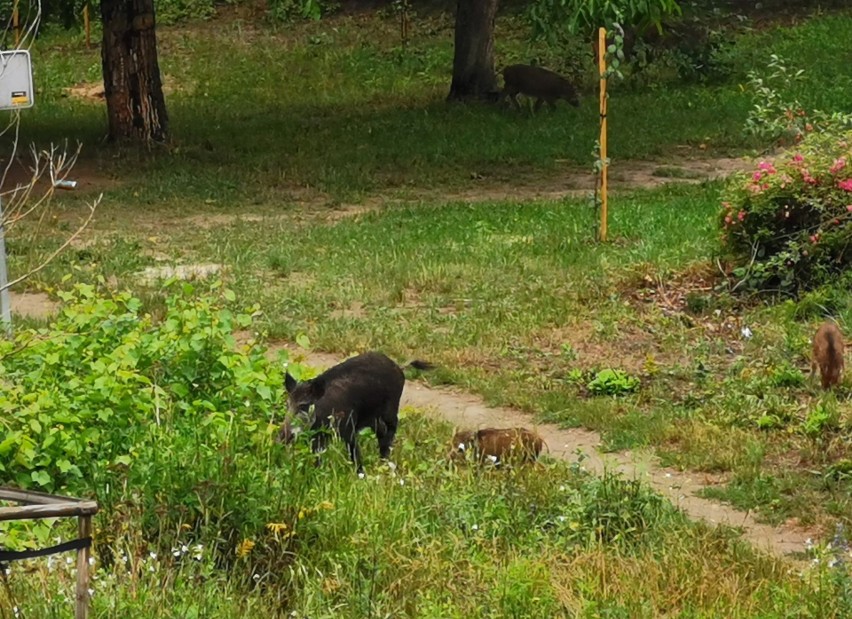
{"x":84,"y":530}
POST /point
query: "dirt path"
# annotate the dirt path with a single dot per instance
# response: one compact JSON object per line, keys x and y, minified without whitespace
{"x":465,"y":410}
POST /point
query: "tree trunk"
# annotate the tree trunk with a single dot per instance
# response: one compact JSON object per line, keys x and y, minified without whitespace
{"x":132,"y":87}
{"x":473,"y":65}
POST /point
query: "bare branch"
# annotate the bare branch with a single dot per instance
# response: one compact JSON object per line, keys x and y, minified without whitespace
{"x":92,"y":207}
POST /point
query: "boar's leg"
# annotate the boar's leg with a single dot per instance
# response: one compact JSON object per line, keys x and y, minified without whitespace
{"x":385,"y":432}
{"x":349,"y":435}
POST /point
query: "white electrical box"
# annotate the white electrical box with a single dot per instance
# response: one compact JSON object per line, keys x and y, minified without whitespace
{"x":16,"y":80}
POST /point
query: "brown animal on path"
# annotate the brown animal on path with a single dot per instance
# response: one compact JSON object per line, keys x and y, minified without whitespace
{"x":543,"y":84}
{"x":828,"y":354}
{"x":497,"y":445}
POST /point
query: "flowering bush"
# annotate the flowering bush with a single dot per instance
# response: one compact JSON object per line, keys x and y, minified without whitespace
{"x":789,"y":222}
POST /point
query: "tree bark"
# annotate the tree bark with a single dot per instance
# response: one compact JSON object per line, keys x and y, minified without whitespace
{"x":132,"y":87}
{"x":473,"y":63}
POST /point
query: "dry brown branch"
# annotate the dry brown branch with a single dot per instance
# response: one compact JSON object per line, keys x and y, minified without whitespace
{"x":92,"y":207}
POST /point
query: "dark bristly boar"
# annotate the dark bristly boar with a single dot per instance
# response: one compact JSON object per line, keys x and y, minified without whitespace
{"x":362,"y":392}
{"x":497,"y":445}
{"x":537,"y":82}
{"x":828,"y":354}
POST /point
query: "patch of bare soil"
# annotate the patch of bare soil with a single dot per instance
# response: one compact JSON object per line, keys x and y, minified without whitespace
{"x":355,"y":310}
{"x":33,"y":304}
{"x":627,"y":175}
{"x":630,"y":351}
{"x":682,"y":488}
{"x":93,"y":92}
{"x":87,"y":174}
{"x":686,"y":295}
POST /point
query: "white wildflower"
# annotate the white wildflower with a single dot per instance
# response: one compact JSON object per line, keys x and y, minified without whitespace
{"x":255,"y":577}
{"x":475,"y":527}
{"x":746,"y":332}
{"x":151,"y":568}
{"x":16,"y":610}
{"x":153,"y":556}
{"x":91,"y":561}
{"x":91,"y":592}
{"x":461,"y":446}
{"x":361,"y":475}
{"x":401,"y":482}
{"x":561,"y":488}
{"x":561,"y":518}
{"x":493,"y":458}
{"x":68,"y":560}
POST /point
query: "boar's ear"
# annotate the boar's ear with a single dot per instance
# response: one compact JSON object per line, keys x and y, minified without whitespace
{"x":317,"y":388}
{"x":290,"y":383}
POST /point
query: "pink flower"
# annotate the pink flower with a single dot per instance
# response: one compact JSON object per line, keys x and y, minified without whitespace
{"x":741,"y":215}
{"x":849,"y":208}
{"x":726,"y":205}
{"x":806,"y":176}
{"x":728,"y":219}
{"x":757,"y":175}
{"x":797,"y":158}
{"x":845,"y":185}
{"x":809,"y":127}
{"x":839,"y":164}
{"x":766,"y":167}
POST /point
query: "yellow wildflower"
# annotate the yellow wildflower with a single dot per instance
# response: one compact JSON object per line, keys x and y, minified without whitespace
{"x":276,"y":527}
{"x":244,"y":547}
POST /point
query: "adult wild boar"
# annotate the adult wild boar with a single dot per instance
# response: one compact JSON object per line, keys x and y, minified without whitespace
{"x":543,"y":84}
{"x":362,"y":392}
{"x":828,"y":354}
{"x":497,"y":445}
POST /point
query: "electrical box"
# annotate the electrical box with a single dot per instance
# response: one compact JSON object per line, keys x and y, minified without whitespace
{"x":16,"y":80}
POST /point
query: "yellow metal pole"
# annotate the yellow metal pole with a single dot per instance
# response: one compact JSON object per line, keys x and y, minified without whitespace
{"x":88,"y":26}
{"x":602,"y":68}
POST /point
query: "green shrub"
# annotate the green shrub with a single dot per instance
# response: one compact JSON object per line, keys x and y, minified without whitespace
{"x":788,"y":224}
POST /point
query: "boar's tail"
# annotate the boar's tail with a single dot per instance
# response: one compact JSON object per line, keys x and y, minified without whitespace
{"x":419,"y":365}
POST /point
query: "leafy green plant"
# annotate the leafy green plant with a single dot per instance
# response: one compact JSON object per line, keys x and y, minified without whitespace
{"x":824,"y":417}
{"x":777,"y":116}
{"x":788,"y":223}
{"x":106,"y":390}
{"x":551,"y":18}
{"x":613,"y":382}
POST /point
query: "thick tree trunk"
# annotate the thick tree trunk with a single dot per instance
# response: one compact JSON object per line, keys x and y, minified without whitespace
{"x":132,"y":87}
{"x":473,"y":65}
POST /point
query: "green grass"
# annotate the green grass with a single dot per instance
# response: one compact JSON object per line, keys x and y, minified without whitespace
{"x":337,"y":109}
{"x":530,"y":543}
{"x":511,"y":298}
